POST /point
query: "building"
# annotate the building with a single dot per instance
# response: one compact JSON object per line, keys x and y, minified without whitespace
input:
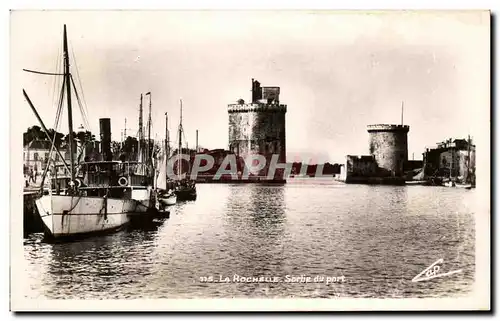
{"x":219,"y":156}
{"x":361,"y":166}
{"x":36,"y":156}
{"x":389,"y":146}
{"x":364,"y":169}
{"x":456,"y":158}
{"x":258,"y":127}
{"x":388,"y":159}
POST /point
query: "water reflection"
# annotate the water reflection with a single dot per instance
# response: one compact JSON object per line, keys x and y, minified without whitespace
{"x":255,"y":228}
{"x":378,"y":237}
{"x":103,"y":266}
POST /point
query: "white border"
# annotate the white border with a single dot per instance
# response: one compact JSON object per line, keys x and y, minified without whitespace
{"x":233,"y":304}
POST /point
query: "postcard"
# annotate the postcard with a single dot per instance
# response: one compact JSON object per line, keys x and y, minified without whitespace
{"x":250,"y":160}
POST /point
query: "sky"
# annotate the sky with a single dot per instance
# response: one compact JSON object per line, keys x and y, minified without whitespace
{"x":338,"y":72}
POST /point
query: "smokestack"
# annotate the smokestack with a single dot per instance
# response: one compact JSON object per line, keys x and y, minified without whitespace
{"x":105,"y":131}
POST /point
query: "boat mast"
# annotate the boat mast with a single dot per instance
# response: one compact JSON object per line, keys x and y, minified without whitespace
{"x":167,"y":152}
{"x":425,"y":162}
{"x":467,"y":179}
{"x":451,"y":163}
{"x":139,"y":153}
{"x":180,"y":143}
{"x":68,"y":98}
{"x":402,"y":112}
{"x":124,"y":133}
{"x":149,"y":129}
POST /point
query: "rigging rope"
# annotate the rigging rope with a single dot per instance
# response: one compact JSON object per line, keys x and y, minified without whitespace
{"x":105,"y":205}
{"x":43,"y":73}
{"x":55,"y":80}
{"x":82,"y":111}
{"x":73,"y":207}
{"x":53,"y":141}
{"x":79,"y":81}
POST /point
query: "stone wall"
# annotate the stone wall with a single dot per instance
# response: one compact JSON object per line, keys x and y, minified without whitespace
{"x":389,"y":146}
{"x":457,"y":160}
{"x":258,"y":129}
{"x":361,"y":166}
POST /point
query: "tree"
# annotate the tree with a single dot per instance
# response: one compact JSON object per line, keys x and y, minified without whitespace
{"x":36,"y":133}
{"x":130,"y":147}
{"x":58,"y":137}
{"x":33,"y":133}
{"x":85,"y":137}
{"x":115,"y":149}
{"x":66,"y":139}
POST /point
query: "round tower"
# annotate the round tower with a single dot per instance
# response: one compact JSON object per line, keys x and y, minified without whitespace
{"x":389,"y":146}
{"x":258,"y":127}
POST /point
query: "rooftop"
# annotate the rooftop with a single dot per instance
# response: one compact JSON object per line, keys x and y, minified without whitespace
{"x":39,"y":145}
{"x":256,"y":106}
{"x":388,"y":127}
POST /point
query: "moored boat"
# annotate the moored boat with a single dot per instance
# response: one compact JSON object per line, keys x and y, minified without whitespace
{"x":449,"y":183}
{"x":71,"y":216}
{"x":416,"y":182}
{"x":185,"y":188}
{"x":167,"y":198}
{"x":107,"y":197}
{"x":467,"y":182}
{"x":164,"y":187}
{"x":91,"y":197}
{"x":461,"y":185}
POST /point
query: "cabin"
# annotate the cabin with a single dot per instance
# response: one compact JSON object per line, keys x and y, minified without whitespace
{"x":112,"y":178}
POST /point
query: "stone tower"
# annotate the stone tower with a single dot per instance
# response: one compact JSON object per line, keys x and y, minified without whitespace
{"x":389,"y":146}
{"x":258,"y":127}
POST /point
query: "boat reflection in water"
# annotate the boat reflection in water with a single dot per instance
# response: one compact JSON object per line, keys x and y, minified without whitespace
{"x":377,"y":237}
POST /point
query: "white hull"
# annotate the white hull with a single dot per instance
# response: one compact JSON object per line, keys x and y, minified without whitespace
{"x":448,"y":184}
{"x":464,"y":185}
{"x":65,"y":215}
{"x":142,"y":196}
{"x":168,"y":200}
{"x":415,"y":182}
{"x":457,"y":185}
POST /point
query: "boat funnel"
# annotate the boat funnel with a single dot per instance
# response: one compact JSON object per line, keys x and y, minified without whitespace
{"x":105,"y":130}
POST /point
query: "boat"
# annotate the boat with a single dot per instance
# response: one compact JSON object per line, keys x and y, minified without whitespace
{"x":470,"y":180}
{"x":165,"y":188}
{"x":418,"y":179}
{"x":463,"y":185}
{"x":90,"y":197}
{"x":143,"y":164}
{"x":416,"y":182}
{"x":185,"y":188}
{"x":464,"y":182}
{"x":167,"y":198}
{"x":449,"y":183}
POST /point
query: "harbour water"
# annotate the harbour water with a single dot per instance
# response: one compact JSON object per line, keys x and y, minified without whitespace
{"x":368,"y":241}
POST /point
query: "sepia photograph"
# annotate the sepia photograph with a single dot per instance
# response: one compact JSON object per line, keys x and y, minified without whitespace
{"x":250,"y":160}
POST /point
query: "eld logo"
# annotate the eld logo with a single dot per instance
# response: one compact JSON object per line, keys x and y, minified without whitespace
{"x":433,"y":272}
